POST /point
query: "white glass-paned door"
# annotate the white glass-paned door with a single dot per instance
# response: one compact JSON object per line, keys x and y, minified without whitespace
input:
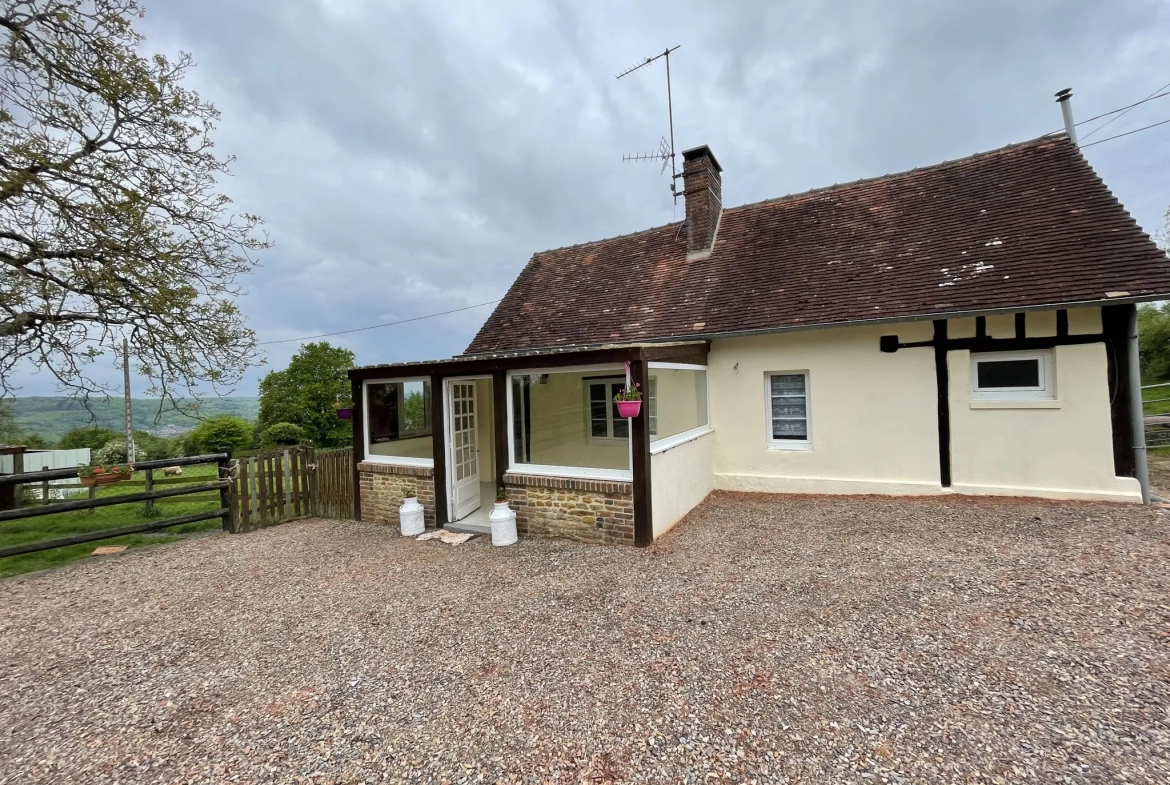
{"x":464,"y":450}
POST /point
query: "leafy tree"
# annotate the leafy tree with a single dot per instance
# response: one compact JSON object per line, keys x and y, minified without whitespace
{"x":93,"y":437}
{"x":110,"y":224}
{"x":304,"y":394}
{"x":34,"y":441}
{"x":218,"y":434}
{"x":9,"y":432}
{"x":1154,"y":342}
{"x":155,"y":446}
{"x":281,"y":434}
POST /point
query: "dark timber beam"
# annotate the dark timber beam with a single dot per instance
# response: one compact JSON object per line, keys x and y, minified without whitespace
{"x":359,"y":444}
{"x":500,"y":424}
{"x":942,"y":379}
{"x":640,"y":445}
{"x":439,"y":447}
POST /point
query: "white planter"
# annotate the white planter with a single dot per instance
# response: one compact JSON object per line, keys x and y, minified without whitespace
{"x":410,"y":516}
{"x":503,"y":520}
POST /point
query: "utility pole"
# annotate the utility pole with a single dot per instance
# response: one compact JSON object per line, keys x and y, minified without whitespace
{"x":126,"y":394}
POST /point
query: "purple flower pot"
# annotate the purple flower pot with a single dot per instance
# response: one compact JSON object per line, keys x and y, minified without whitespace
{"x":345,"y":414}
{"x":629,"y":408}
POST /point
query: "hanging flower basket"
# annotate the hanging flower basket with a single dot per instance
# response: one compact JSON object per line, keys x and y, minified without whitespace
{"x":345,"y":414}
{"x":629,"y":408}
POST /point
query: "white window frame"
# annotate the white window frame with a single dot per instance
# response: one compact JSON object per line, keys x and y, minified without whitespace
{"x":805,"y":444}
{"x":572,"y":472}
{"x":661,"y":445}
{"x":1046,"y":390}
{"x":393,"y":460}
{"x":610,"y":416}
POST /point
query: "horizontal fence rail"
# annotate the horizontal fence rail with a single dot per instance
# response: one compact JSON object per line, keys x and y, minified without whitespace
{"x":218,"y":491}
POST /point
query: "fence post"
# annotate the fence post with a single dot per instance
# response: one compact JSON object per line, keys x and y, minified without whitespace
{"x":17,"y":490}
{"x":92,"y":495}
{"x":314,"y":489}
{"x":150,"y":487}
{"x":223,"y":466}
{"x":44,"y":487}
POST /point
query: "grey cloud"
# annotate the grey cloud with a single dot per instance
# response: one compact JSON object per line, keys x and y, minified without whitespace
{"x":410,"y":157}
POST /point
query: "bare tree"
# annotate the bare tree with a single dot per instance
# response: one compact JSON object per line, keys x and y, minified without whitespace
{"x":110,"y":220}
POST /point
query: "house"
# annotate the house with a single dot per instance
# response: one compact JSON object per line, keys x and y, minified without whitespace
{"x":963,"y":328}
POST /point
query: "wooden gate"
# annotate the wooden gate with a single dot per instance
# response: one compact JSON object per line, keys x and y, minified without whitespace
{"x":334,"y":497}
{"x":294,"y":483}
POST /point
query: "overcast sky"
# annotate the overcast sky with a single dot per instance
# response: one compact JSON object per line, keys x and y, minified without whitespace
{"x":409,"y":157}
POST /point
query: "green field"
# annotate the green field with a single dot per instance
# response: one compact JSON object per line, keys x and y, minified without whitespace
{"x":1154,"y":403}
{"x":51,"y":417}
{"x":63,"y":524}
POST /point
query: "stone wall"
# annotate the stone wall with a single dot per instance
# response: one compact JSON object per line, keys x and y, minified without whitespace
{"x":585,"y":510}
{"x":383,"y":487}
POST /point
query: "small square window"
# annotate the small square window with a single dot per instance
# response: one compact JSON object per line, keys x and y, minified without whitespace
{"x":1012,"y":375}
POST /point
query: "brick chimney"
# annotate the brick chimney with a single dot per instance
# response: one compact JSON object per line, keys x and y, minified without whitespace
{"x":703,"y":187}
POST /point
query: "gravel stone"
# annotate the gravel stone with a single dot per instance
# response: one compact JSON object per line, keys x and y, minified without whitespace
{"x":767,"y":639}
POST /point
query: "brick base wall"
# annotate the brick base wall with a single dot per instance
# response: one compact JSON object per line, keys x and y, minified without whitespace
{"x":383,"y":488}
{"x":584,"y":510}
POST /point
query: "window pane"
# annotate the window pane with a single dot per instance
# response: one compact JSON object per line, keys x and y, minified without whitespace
{"x":1008,"y":373}
{"x":398,"y":419}
{"x":788,"y":384}
{"x":790,"y":429}
{"x":678,"y":401}
{"x":566,"y":410}
{"x":788,"y":407}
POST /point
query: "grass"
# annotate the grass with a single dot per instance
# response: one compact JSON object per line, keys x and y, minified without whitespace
{"x":63,"y":524}
{"x":1155,"y":395}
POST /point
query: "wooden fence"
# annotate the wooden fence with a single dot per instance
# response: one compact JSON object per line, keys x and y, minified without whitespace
{"x":291,"y":483}
{"x":218,"y":490}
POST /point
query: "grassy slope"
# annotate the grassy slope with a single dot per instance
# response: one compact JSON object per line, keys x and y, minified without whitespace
{"x":52,"y":417}
{"x":63,"y":524}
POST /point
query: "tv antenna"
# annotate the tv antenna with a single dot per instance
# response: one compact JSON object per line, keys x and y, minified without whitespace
{"x":665,"y":152}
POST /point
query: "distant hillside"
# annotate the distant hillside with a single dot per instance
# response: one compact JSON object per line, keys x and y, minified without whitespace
{"x":51,"y":417}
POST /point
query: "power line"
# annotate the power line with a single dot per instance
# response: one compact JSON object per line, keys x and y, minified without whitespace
{"x":1127,"y":133}
{"x":1124,"y":110}
{"x":376,"y":326}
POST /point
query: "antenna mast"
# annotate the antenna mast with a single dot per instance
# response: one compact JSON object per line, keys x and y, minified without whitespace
{"x":665,"y":152}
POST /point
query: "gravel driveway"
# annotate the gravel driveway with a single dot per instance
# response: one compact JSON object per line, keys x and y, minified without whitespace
{"x":767,"y":639}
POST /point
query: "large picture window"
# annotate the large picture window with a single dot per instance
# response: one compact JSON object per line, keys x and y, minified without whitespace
{"x":675,"y":403}
{"x":398,"y":422}
{"x":564,"y":422}
{"x":788,"y":410}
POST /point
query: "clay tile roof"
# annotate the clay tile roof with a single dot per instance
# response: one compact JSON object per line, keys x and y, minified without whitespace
{"x":1024,"y":226}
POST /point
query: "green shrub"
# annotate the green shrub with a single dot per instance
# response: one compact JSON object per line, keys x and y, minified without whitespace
{"x":90,"y":436}
{"x":114,"y":451}
{"x":282,"y":434}
{"x":218,"y":434}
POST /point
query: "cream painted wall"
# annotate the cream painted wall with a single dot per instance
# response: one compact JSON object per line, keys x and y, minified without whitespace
{"x":680,"y":399}
{"x":873,"y":416}
{"x":680,"y":478}
{"x":1064,"y":452}
{"x":559,"y":417}
{"x":484,"y":430}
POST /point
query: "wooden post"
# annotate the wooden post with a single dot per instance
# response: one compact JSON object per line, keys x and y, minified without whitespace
{"x":224,"y":471}
{"x":245,"y":501}
{"x":262,"y":490}
{"x":294,"y":481}
{"x":150,"y":487}
{"x":44,"y":487}
{"x":640,"y":444}
{"x":500,"y":425}
{"x":18,"y":468}
{"x":359,"y":442}
{"x":92,"y":495}
{"x":314,"y":482}
{"x":439,"y":444}
{"x":279,"y":498}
